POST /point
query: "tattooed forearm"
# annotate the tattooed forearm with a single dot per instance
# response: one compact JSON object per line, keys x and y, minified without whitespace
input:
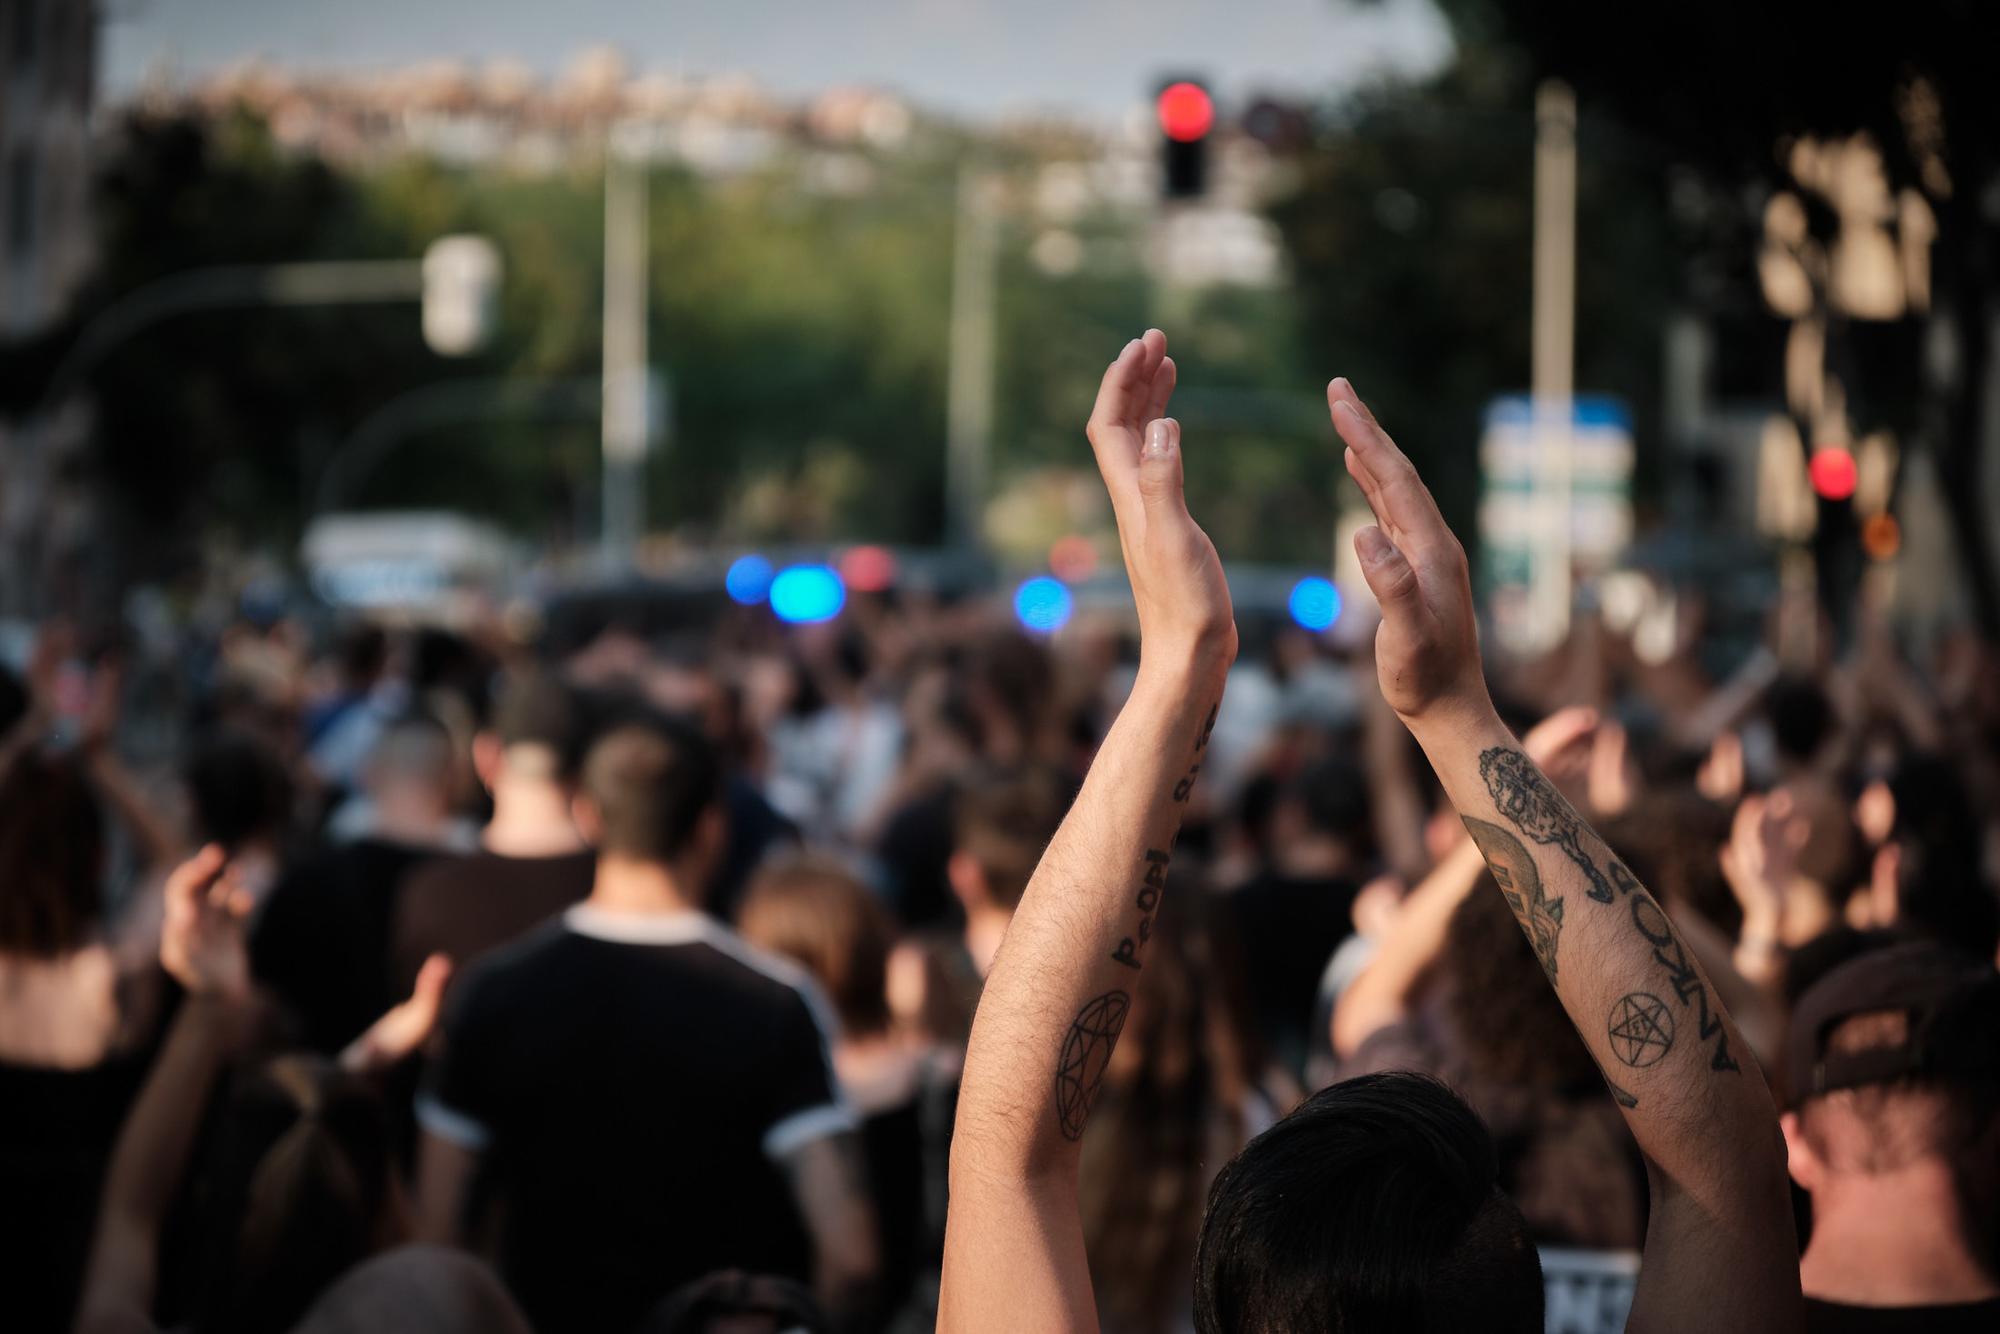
{"x":1147,"y":901}
{"x":1526,"y":799}
{"x":1540,"y":916}
{"x":1085,"y":1054}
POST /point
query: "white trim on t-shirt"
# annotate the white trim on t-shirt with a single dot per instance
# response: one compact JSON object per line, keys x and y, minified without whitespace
{"x":451,"y":1125}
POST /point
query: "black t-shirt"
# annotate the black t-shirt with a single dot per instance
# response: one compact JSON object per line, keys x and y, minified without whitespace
{"x":466,"y":906}
{"x":1288,"y":928}
{"x":1838,"y":1318}
{"x":632,"y":1083}
{"x":321,"y":942}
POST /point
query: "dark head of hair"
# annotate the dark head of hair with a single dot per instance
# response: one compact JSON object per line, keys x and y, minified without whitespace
{"x":535,"y":708}
{"x":13,"y":701}
{"x":239,"y":789}
{"x":416,"y":1290}
{"x":302,"y":1192}
{"x":730,"y":1300}
{"x":51,"y":857}
{"x":1942,"y":891}
{"x":363,"y":653}
{"x":1004,"y":823}
{"x":1333,"y":795}
{"x":651,"y":782}
{"x":1509,"y":1025}
{"x":1801,"y":718}
{"x":1372,"y":1207}
{"x":814,"y":912}
{"x":1012,"y":674}
{"x":1177,"y":1083}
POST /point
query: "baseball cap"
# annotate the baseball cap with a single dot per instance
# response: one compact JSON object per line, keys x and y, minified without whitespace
{"x":1951,"y":1001}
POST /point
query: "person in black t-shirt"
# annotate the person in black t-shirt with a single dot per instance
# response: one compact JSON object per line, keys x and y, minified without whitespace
{"x":642,"y":1098}
{"x":320,"y":943}
{"x":1894,"y":1065}
{"x":532,"y":862}
{"x":1295,"y":911}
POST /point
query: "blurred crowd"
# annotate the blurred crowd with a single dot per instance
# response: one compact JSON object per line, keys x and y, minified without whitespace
{"x":357,"y":977}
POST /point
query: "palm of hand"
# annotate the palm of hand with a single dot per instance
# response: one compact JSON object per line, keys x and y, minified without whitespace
{"x":202,"y":939}
{"x":1178,"y":585}
{"x":1427,"y":646}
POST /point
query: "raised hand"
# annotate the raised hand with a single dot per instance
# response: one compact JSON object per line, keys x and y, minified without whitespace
{"x":1177,"y":580}
{"x":202,"y":935}
{"x":1427,"y":647}
{"x":405,"y":1027}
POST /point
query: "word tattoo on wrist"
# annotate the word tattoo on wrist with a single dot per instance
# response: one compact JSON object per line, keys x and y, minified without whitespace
{"x":1147,"y":901}
{"x":1085,"y":1054}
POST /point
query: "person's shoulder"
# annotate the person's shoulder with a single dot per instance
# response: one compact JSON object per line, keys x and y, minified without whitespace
{"x":759,"y":977}
{"x":521,"y":968}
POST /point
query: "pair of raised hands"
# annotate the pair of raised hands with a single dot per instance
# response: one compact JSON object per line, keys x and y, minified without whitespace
{"x":204,"y":947}
{"x":1427,"y":648}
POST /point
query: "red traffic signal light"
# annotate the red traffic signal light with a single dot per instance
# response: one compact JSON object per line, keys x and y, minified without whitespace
{"x":1832,"y":471}
{"x":1187,"y":113}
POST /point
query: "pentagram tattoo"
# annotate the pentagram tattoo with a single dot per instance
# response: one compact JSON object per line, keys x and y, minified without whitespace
{"x":1085,"y":1054}
{"x":1513,"y":867}
{"x":1641,"y":1029}
{"x":1650,"y":921}
{"x":1535,"y":808}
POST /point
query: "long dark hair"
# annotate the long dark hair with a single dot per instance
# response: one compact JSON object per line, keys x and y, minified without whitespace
{"x":1172,"y":1109}
{"x":51,"y":858}
{"x":302,"y":1193}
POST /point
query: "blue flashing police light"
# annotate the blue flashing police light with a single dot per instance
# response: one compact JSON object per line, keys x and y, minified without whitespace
{"x":807,"y":594}
{"x":749,"y":580}
{"x":1315,"y":603}
{"x":1043,"y":604}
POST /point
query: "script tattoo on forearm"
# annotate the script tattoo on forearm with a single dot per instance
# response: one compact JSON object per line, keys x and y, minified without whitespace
{"x":1534,"y":807}
{"x":1153,"y":878}
{"x":1540,"y":916}
{"x":1085,"y":1054}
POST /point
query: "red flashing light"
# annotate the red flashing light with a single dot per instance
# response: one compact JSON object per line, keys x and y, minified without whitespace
{"x":868,"y":569}
{"x":1073,"y":559}
{"x":1832,"y":471}
{"x":1186,"y":111}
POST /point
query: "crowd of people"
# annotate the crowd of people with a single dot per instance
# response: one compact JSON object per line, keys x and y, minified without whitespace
{"x":451,"y":980}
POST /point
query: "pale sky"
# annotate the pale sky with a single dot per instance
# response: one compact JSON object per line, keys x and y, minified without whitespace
{"x":1096,"y":58}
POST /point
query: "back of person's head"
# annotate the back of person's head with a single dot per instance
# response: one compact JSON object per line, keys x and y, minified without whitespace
{"x":1329,"y":799}
{"x":414,"y":752}
{"x":51,"y":857}
{"x":537,"y":726}
{"x":239,"y":789}
{"x":1003,"y":823}
{"x":1941,"y":890}
{"x":363,"y":655}
{"x":416,"y":1290}
{"x":1670,"y":839}
{"x":734,"y":1302}
{"x":1372,"y":1207}
{"x":304,"y":1190}
{"x":1012,"y":682}
{"x":648,"y":784}
{"x":813,"y":911}
{"x":1893,"y":1062}
{"x":1801,"y":718}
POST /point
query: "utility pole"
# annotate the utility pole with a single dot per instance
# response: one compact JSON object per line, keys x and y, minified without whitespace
{"x":969,"y":389}
{"x":1552,"y":375}
{"x":626,"y":415}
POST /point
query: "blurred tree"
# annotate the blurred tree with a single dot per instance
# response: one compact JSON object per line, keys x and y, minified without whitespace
{"x":1410,"y":238}
{"x":1727,"y":89}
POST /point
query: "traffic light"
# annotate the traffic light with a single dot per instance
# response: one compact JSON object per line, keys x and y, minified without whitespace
{"x":461,"y":294}
{"x":1186,"y":113}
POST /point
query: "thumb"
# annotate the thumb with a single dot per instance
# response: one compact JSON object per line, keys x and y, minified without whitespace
{"x":1160,"y":480}
{"x":1388,"y":573}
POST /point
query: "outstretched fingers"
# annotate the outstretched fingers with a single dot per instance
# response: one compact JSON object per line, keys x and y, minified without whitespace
{"x":1399,"y":498}
{"x":1137,"y":378}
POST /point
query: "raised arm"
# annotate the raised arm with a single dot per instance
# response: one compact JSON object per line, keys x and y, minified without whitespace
{"x":1060,"y":988}
{"x":1720,"y":1249}
{"x":201,"y":944}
